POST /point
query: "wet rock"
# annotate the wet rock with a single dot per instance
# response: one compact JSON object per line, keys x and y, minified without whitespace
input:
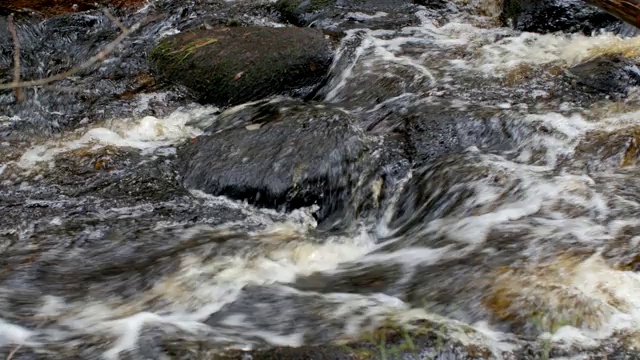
{"x":191,"y":14}
{"x":434,"y":4}
{"x":121,"y":86}
{"x":606,"y":74}
{"x":348,"y":14}
{"x":422,"y":339}
{"x":433,"y":131}
{"x":376,"y":83}
{"x":54,"y":7}
{"x":116,"y":172}
{"x":535,"y":298}
{"x":355,"y":279}
{"x":602,"y":150}
{"x":229,"y":66}
{"x":287,"y":156}
{"x":547,"y":16}
{"x":107,"y":90}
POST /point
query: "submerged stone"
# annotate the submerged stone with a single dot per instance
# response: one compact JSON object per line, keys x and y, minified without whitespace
{"x":287,"y":156}
{"x":345,"y":14}
{"x":545,"y":297}
{"x":232,"y":65}
{"x":606,"y":151}
{"x":547,"y":16}
{"x":609,"y":74}
{"x":115,"y":173}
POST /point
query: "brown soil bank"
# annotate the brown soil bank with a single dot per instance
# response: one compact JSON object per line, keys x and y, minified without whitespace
{"x":56,"y":7}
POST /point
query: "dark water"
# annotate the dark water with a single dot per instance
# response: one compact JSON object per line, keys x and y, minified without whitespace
{"x":507,"y":214}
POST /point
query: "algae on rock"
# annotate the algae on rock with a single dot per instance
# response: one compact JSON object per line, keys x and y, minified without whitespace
{"x":231,"y":65}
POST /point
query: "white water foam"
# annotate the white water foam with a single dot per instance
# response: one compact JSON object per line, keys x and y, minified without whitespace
{"x":146,"y":134}
{"x":202,"y":287}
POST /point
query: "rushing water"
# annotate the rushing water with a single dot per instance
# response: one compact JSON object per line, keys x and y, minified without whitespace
{"x":519,"y":230}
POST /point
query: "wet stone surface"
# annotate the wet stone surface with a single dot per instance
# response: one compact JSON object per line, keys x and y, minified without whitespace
{"x":556,"y":15}
{"x":284,"y":157}
{"x":454,"y":190}
{"x":348,"y":14}
{"x":112,"y":88}
{"x":612,"y":75}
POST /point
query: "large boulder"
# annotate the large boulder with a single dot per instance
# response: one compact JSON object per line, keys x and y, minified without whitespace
{"x":282,"y":155}
{"x":547,"y":16}
{"x":232,"y":65}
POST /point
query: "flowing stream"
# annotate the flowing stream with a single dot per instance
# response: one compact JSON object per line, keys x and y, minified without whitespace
{"x":521,"y":236}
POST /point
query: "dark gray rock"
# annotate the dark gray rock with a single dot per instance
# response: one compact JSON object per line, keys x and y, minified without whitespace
{"x":431,"y":194}
{"x":607,"y":74}
{"x":109,"y":89}
{"x":348,"y":14}
{"x":232,"y":65}
{"x":547,"y":16}
{"x":433,"y":4}
{"x":433,"y":131}
{"x":286,"y":156}
{"x":355,"y":279}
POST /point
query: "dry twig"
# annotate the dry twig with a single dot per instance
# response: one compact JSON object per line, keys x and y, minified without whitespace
{"x":19,"y":94}
{"x":99,"y":57}
{"x":15,"y":350}
{"x":115,"y":20}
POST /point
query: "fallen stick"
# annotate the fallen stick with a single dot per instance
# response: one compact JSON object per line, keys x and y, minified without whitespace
{"x":625,"y":10}
{"x":99,"y":57}
{"x":19,"y":94}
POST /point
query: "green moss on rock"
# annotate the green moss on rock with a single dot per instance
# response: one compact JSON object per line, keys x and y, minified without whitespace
{"x":232,"y":65}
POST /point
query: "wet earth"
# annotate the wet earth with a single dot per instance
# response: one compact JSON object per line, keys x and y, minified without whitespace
{"x":457,"y":186}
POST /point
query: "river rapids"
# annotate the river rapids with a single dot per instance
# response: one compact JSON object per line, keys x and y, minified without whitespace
{"x":510,"y":233}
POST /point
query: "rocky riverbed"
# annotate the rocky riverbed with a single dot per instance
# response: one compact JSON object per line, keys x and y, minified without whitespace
{"x":324,"y":179}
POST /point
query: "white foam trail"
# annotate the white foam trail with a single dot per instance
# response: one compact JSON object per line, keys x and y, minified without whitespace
{"x":202,"y":287}
{"x":359,"y":16}
{"x":347,"y":72}
{"x":146,"y":134}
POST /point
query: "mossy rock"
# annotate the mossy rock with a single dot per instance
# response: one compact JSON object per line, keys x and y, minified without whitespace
{"x":232,"y":65}
{"x":421,"y":339}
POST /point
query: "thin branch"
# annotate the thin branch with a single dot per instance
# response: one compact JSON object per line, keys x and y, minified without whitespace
{"x":115,"y":20}
{"x":99,"y":57}
{"x":15,"y":350}
{"x":18,"y":92}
